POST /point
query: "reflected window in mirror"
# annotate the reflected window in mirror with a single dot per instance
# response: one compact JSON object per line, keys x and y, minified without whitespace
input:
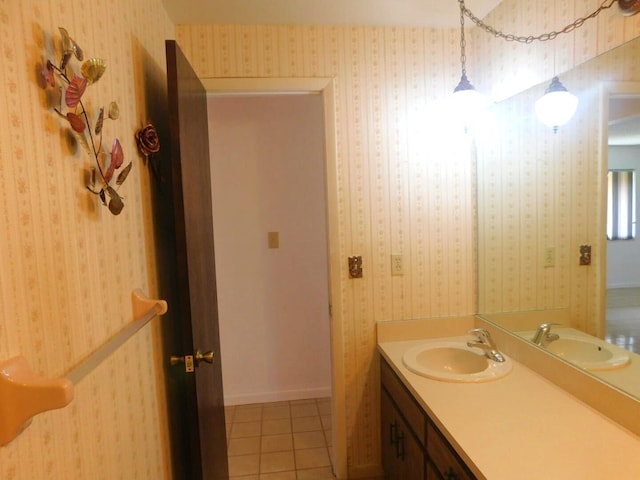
{"x":621,"y":205}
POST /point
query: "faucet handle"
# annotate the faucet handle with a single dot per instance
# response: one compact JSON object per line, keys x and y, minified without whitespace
{"x":485,"y":342}
{"x":542,"y":332}
{"x":482,"y":334}
{"x":545,"y":328}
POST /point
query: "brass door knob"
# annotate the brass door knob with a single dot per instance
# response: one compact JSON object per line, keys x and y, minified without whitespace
{"x":175,"y":359}
{"x":192,"y":361}
{"x":204,"y":357}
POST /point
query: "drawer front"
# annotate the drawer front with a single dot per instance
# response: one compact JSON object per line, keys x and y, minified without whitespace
{"x":443,"y":458}
{"x":410,"y":410}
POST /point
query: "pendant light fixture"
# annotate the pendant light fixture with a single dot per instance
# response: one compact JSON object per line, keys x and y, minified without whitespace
{"x":556,"y":106}
{"x":467,"y":101}
{"x":629,"y":7}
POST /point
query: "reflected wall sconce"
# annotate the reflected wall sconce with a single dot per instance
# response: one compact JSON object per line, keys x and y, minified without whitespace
{"x":556,"y":107}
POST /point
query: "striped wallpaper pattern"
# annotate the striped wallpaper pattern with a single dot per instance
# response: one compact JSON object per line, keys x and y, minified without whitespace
{"x":401,"y":189}
{"x":67,"y":266}
{"x":402,"y":186}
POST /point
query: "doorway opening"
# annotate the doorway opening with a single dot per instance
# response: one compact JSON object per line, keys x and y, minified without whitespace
{"x":622,"y":309}
{"x":272,"y":190}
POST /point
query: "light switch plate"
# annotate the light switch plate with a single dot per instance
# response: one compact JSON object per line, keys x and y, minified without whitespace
{"x":273,"y":239}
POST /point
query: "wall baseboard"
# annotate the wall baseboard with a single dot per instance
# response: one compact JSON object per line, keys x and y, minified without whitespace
{"x":281,"y":396}
{"x":368,"y":472}
{"x":623,"y":285}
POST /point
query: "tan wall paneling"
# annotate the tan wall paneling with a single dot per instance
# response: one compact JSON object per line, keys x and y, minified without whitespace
{"x":402,"y":190}
{"x":67,"y":267}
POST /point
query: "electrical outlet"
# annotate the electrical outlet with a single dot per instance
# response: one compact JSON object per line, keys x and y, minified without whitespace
{"x":550,"y":257}
{"x":396,"y":265}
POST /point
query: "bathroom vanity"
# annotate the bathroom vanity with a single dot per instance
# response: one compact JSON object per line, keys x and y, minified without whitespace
{"x":519,"y":426}
{"x":412,"y":446}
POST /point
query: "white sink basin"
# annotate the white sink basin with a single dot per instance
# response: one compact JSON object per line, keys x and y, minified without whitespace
{"x":588,"y":353}
{"x":451,"y":360}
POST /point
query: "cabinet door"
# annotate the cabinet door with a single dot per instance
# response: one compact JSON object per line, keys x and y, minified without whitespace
{"x":388,"y":436}
{"x":402,"y":456}
{"x":410,"y":453}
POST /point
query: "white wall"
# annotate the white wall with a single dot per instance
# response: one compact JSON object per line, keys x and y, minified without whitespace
{"x":267,"y":156}
{"x":623,"y":256}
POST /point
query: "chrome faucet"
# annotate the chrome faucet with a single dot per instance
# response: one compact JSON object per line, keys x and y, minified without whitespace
{"x":485,"y":342}
{"x":543,"y":335}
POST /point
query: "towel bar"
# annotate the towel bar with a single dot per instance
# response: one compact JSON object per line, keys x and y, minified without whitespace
{"x":24,"y":394}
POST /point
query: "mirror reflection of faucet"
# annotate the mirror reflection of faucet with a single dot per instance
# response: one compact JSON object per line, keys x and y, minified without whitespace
{"x":485,"y":342}
{"x":543,"y":335}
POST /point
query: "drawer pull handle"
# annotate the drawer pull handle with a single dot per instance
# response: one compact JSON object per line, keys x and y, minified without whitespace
{"x":451,"y":474}
{"x":393,"y":433}
{"x":400,"y":446}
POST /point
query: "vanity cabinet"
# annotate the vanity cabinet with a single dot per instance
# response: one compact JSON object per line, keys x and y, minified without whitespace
{"x":412,"y":446}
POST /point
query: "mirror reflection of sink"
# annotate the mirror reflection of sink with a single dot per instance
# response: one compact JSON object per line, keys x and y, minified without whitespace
{"x":588,"y":353}
{"x":451,"y":360}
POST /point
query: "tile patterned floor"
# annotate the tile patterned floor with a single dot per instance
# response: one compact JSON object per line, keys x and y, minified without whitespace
{"x":623,"y":318}
{"x":280,"y":441}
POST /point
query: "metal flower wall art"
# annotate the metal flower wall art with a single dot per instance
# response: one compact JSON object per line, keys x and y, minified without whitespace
{"x":148,"y":143}
{"x":108,"y":174}
{"x":147,"y":140}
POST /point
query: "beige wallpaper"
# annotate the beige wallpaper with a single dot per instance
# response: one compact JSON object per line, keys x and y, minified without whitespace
{"x":67,"y":266}
{"x":405,"y":187}
{"x":402,"y":189}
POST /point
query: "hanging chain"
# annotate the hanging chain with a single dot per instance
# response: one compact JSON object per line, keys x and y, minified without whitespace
{"x":529,"y":39}
{"x":463,"y":42}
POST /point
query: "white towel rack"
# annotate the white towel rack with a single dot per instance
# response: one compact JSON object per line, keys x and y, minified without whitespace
{"x":24,"y":394}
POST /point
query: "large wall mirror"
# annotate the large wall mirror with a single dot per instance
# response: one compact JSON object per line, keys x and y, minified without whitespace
{"x":543,"y":252}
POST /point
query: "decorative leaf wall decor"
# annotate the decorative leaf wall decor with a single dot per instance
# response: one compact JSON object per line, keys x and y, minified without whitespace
{"x":89,"y":134}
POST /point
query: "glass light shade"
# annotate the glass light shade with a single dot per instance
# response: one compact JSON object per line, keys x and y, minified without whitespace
{"x":556,"y":106}
{"x":466,"y":100}
{"x":629,"y":7}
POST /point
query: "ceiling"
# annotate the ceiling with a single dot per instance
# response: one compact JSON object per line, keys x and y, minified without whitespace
{"x":427,"y":13}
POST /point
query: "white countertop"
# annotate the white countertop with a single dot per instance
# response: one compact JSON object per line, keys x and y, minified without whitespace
{"x":522,"y":426}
